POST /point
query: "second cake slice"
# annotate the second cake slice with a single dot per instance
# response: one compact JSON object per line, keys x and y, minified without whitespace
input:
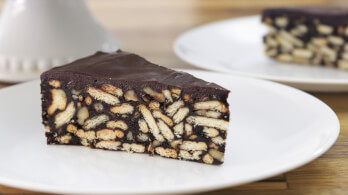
{"x":120,"y":101}
{"x":307,"y":35}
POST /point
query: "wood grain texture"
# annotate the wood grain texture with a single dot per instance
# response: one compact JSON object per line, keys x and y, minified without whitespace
{"x":150,"y":27}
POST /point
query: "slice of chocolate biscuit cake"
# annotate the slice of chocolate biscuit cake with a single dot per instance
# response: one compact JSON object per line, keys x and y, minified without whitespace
{"x":120,"y":101}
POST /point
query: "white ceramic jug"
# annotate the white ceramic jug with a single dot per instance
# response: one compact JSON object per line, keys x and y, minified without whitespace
{"x":36,"y":35}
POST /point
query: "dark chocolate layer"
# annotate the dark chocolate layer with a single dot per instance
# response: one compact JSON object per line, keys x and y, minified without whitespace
{"x":127,"y":68}
{"x":327,"y":15}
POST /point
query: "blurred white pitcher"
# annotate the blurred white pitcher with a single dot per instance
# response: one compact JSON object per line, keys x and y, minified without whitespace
{"x":36,"y":35}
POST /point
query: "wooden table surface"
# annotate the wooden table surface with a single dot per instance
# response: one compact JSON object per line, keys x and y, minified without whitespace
{"x":150,"y":27}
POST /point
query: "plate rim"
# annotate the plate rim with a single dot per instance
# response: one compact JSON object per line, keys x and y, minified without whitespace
{"x":281,"y":169}
{"x":205,"y":66}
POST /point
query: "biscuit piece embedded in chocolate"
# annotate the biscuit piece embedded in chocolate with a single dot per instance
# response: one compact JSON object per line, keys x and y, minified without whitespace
{"x":120,"y":101}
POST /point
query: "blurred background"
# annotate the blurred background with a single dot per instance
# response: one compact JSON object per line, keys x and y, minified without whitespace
{"x":150,"y":27}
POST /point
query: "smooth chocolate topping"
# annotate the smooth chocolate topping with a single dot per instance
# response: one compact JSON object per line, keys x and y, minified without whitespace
{"x":327,"y":15}
{"x":128,"y":68}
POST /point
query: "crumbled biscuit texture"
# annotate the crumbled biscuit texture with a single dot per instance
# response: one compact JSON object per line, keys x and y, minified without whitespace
{"x":166,"y":152}
{"x":54,"y":83}
{"x":131,"y":96}
{"x":124,"y":108}
{"x":109,"y":134}
{"x":82,"y":115}
{"x":163,"y":117}
{"x":210,"y":132}
{"x":102,"y":96}
{"x":112,"y":90}
{"x":65,"y":116}
{"x":59,"y":101}
{"x":110,"y":145}
{"x":117,"y":124}
{"x":167,"y":122}
{"x":208,"y":159}
{"x":139,"y":148}
{"x":95,"y":121}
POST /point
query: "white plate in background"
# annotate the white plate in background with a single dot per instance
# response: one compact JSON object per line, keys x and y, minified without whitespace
{"x":274,"y":128}
{"x":235,"y":46}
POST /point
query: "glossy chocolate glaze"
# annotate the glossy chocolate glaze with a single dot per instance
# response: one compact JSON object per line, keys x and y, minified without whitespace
{"x":124,"y":68}
{"x":327,"y":15}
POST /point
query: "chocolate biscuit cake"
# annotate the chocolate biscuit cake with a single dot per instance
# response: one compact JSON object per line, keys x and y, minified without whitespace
{"x":308,"y":35}
{"x":120,"y":101}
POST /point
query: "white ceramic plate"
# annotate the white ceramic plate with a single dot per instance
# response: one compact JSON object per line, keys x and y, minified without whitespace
{"x":274,"y":129}
{"x":235,"y":46}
